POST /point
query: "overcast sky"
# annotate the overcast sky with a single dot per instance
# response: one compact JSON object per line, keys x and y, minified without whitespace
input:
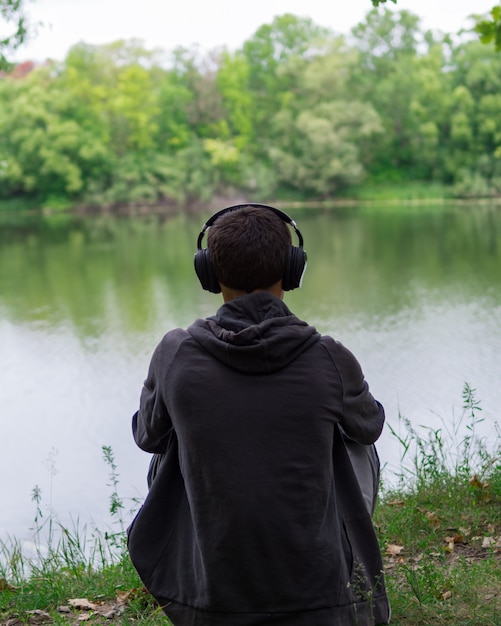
{"x":209,"y":23}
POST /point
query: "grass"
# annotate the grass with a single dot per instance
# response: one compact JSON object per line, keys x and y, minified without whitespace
{"x":400,"y":191}
{"x":439,"y":528}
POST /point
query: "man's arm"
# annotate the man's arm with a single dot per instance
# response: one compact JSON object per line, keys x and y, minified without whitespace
{"x":363,"y":416}
{"x":151,"y":424}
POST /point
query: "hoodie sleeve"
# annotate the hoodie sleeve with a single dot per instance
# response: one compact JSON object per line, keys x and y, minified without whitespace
{"x":362,"y":415}
{"x":152,"y":424}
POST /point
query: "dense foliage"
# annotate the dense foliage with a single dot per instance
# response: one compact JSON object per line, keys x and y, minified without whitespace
{"x":13,"y":26}
{"x":298,"y":111}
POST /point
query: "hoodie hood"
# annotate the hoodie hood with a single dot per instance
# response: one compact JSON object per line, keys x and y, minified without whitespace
{"x":255,"y":334}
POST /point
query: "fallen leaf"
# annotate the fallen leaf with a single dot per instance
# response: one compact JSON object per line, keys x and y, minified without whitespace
{"x":394,"y":550}
{"x":476,"y":482}
{"x":450,"y":543}
{"x":487,"y":542}
{"x":38,"y":612}
{"x":456,"y":538}
{"x":41,"y":615}
{"x":452,"y":540}
{"x":82,"y":604}
{"x":5,"y":586}
{"x":124,"y":596}
{"x":433,"y":518}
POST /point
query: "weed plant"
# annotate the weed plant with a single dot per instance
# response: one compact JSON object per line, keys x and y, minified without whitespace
{"x":72,"y":563}
{"x":439,"y":530}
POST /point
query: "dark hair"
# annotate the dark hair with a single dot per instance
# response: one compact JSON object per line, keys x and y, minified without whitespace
{"x":248,"y":248}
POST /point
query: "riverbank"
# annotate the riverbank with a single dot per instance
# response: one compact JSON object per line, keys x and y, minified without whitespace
{"x":402,"y":194}
{"x":439,"y":530}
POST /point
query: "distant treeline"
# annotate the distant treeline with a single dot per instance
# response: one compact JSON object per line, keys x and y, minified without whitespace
{"x":296,"y":112}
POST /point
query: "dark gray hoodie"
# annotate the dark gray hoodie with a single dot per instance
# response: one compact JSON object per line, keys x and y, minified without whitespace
{"x":254,"y":515}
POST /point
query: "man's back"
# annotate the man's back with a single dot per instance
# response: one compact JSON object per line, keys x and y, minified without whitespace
{"x":244,"y":523}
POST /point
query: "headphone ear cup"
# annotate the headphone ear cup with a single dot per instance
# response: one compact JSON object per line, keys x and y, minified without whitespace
{"x":204,"y":271}
{"x":294,"y":268}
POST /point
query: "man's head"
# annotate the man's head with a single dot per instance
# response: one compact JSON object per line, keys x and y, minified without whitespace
{"x":248,"y":248}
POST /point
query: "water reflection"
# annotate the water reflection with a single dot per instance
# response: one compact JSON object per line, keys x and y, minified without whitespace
{"x":415,"y":294}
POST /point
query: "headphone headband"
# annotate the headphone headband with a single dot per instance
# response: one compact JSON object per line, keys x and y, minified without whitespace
{"x":286,"y":218}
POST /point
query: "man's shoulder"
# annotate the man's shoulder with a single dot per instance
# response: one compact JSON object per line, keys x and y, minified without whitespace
{"x":170,"y":344}
{"x":176,"y":334}
{"x":168,"y":349}
{"x":332,"y":344}
{"x":340,"y":354}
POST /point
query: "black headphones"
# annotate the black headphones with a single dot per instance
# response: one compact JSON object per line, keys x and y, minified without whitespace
{"x":294,"y":267}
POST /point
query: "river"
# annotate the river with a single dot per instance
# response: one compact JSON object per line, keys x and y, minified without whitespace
{"x":414,"y":292}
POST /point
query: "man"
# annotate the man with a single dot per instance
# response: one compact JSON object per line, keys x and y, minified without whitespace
{"x":264,"y":475}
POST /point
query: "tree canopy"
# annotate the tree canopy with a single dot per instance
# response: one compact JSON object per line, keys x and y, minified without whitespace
{"x":489,"y":28}
{"x":13,"y":17}
{"x":297,"y":112}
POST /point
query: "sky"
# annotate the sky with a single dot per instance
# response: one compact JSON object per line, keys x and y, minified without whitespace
{"x":168,"y":24}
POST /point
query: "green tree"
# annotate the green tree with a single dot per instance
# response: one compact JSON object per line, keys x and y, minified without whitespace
{"x":402,"y":73}
{"x":275,"y":54}
{"x":429,"y":110}
{"x":385,"y":37}
{"x":174,"y":131}
{"x":233,"y":83}
{"x":320,"y":136}
{"x":489,"y":29}
{"x":324,"y":155}
{"x":197,"y":74}
{"x":473,"y":157}
{"x":138,"y":110}
{"x":43,"y":151}
{"x":13,"y":19}
{"x":117,"y":90}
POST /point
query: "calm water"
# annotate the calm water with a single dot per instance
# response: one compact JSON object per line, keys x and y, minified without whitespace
{"x":415,"y":294}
